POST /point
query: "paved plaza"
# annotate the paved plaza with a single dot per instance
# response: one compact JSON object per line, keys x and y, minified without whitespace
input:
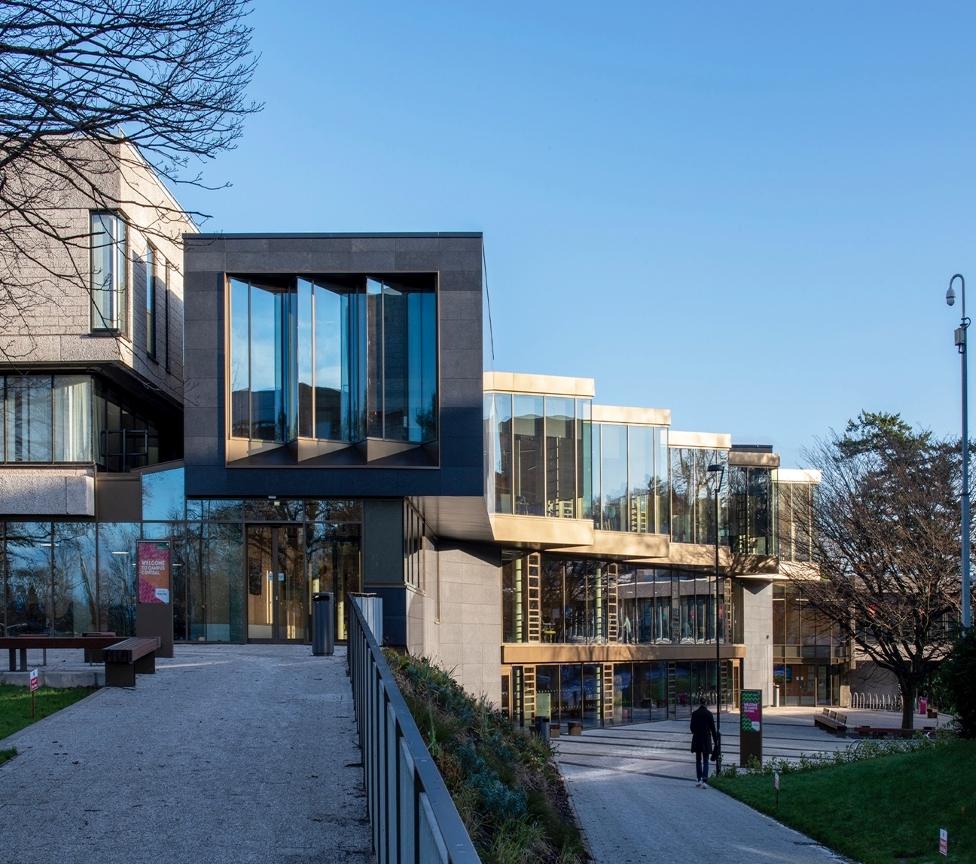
{"x":633,"y":788}
{"x":237,"y":753}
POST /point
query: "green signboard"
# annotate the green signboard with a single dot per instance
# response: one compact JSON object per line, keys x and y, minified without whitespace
{"x":750,"y":726}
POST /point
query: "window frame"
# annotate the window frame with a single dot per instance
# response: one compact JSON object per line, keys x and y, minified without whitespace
{"x":152,"y":330}
{"x":121,"y":306}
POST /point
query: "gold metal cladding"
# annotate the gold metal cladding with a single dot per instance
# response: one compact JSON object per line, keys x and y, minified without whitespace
{"x":798,"y":475}
{"x":631,"y":416}
{"x":697,"y":554}
{"x":544,"y":653}
{"x":549,"y":385}
{"x":799,"y":570}
{"x":541,"y":530}
{"x":626,"y":545}
{"x":711,"y":440}
{"x":749,"y":459}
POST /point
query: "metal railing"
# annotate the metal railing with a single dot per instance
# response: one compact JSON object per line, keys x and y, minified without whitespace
{"x":876,"y":701}
{"x":412,"y":816}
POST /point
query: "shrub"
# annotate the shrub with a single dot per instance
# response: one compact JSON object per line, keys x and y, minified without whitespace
{"x":955,"y":685}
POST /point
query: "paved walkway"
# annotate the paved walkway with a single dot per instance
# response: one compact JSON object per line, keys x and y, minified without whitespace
{"x":242,"y":753}
{"x":634,"y":790}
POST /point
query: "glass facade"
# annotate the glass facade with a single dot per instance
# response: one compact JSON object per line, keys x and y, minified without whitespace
{"x":538,"y":455}
{"x":337,"y":359}
{"x":750,"y":510}
{"x":809,"y":651}
{"x":793,"y":532}
{"x":630,"y":478}
{"x":109,"y":273}
{"x":693,"y":494}
{"x":597,"y":602}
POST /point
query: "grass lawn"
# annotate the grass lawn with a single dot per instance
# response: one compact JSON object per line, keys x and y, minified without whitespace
{"x":877,"y":811}
{"x":15,"y":707}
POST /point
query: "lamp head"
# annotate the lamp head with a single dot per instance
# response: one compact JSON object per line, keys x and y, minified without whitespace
{"x":950,"y":296}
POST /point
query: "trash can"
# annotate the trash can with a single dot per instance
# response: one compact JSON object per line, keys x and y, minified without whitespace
{"x":323,"y":632}
{"x":542,"y":728}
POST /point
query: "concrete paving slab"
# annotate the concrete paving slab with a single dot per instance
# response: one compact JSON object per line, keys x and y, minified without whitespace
{"x":237,"y":753}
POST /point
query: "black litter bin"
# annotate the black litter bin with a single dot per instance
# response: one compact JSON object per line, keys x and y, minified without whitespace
{"x":323,"y":631}
{"x":542,"y":728}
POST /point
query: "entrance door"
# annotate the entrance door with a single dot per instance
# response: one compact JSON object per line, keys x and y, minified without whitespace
{"x":277,"y":594}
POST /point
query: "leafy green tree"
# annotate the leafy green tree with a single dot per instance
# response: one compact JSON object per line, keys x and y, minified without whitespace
{"x":885,"y":540}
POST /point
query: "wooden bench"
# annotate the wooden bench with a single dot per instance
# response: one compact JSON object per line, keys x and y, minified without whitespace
{"x":126,"y":658}
{"x":831,"y":721}
{"x":22,"y":644}
{"x":97,"y":655}
{"x":891,"y":731}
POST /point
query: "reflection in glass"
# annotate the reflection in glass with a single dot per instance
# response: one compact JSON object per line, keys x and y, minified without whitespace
{"x":501,"y":452}
{"x":560,"y":425}
{"x":117,"y":576}
{"x":528,"y":455}
{"x":240,"y":359}
{"x":162,"y":494}
{"x":109,"y":272}
{"x":28,"y":584}
{"x":640,"y":468}
{"x":614,"y":478}
{"x":584,"y":457}
{"x":75,"y":606}
{"x":305,"y":350}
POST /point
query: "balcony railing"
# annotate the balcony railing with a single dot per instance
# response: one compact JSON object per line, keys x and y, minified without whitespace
{"x":411,"y":813}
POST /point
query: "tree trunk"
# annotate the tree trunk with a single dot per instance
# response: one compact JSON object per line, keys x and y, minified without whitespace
{"x":907,"y":703}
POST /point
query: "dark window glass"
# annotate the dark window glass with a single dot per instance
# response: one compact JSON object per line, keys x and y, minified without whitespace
{"x":28,"y":584}
{"x":560,"y":457}
{"x":584,"y":456}
{"x":640,"y":477}
{"x":527,"y":454}
{"x":501,"y":455}
{"x":306,"y":359}
{"x":614,"y":477}
{"x":75,"y":604}
{"x":117,"y":576}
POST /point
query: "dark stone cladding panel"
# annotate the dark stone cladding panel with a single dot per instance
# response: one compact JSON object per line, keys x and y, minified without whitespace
{"x":456,"y":258}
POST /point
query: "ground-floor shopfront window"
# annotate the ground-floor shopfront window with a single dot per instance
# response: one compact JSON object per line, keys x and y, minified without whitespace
{"x":239,"y":569}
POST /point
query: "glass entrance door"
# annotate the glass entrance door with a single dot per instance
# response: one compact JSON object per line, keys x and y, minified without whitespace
{"x":277,"y":595}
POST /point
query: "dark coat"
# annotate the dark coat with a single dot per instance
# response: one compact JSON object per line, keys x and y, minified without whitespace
{"x":702,"y":731}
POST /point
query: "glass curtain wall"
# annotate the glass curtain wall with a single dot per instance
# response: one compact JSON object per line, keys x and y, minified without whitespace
{"x":335,"y":359}
{"x":46,"y":418}
{"x":538,"y":455}
{"x":653,"y":605}
{"x":693,"y":493}
{"x":750,"y":510}
{"x":630,"y":478}
{"x":794,"y":520}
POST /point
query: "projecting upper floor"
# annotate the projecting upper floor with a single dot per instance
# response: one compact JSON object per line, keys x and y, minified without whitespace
{"x":107,"y":287}
{"x":565,"y":473}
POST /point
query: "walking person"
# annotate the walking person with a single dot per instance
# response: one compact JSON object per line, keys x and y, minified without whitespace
{"x":702,"y":735}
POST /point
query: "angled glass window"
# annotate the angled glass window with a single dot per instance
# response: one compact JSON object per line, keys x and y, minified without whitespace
{"x":640,"y":478}
{"x":109,"y":272}
{"x":614,"y":478}
{"x":72,"y":418}
{"x":501,"y":452}
{"x":337,"y":310}
{"x":240,"y":359}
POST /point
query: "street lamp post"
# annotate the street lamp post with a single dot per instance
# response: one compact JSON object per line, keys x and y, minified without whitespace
{"x":961,"y":345}
{"x":718,"y":654}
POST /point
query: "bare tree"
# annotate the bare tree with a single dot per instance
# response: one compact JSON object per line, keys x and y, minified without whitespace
{"x":91,"y":86}
{"x":886,"y":537}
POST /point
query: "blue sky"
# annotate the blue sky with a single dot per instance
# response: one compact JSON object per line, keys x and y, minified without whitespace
{"x":745,"y":212}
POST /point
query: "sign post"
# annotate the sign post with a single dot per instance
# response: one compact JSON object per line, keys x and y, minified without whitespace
{"x":35,"y":682}
{"x":776,"y":787}
{"x":944,"y":842}
{"x":154,"y":609}
{"x":750,"y":726}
